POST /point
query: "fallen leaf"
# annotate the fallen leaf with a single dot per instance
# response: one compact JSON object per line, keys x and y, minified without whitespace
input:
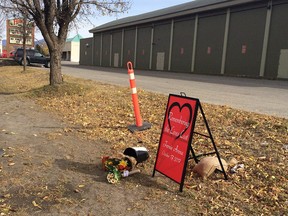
{"x":45,"y":197}
{"x":7,"y":196}
{"x":36,"y":205}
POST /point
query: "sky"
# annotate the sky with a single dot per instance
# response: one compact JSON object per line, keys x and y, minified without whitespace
{"x":137,"y":7}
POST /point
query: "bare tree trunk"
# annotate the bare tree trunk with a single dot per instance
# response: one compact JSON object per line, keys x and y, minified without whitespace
{"x":53,"y":19}
{"x":24,"y":42}
{"x":55,"y":68}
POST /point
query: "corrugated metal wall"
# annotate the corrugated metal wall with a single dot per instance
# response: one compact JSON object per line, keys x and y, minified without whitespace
{"x":183,"y":36}
{"x":210,"y":43}
{"x":86,"y":46}
{"x":106,"y":49}
{"x":116,"y":49}
{"x":97,"y":50}
{"x":278,"y":40}
{"x":129,"y":46}
{"x":143,"y":47}
{"x":244,"y":40}
{"x":160,"y":46}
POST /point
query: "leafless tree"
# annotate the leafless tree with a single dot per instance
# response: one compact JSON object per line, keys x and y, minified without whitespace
{"x":2,"y":21}
{"x":55,"y":17}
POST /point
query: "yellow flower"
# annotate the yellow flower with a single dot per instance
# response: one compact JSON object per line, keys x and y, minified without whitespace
{"x":122,"y":164}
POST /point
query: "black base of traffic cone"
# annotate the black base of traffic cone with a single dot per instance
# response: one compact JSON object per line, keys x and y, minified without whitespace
{"x":144,"y":126}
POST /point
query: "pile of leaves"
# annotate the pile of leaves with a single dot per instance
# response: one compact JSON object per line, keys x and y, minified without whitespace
{"x":100,"y":111}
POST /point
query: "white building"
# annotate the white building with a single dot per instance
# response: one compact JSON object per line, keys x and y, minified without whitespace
{"x":1,"y":48}
{"x":71,"y":51}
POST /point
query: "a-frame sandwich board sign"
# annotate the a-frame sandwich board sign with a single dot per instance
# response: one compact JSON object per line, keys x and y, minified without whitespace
{"x":176,"y":138}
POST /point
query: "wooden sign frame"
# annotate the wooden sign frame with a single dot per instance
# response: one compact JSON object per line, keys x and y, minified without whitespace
{"x":175,"y":142}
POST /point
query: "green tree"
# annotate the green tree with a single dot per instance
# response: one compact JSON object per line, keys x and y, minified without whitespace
{"x":39,"y":48}
{"x":42,"y":48}
{"x":55,"y":17}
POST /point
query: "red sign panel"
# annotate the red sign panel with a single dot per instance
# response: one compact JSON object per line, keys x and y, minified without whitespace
{"x":173,"y":150}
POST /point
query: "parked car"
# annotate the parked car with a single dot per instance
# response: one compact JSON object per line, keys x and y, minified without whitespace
{"x":11,"y":54}
{"x":32,"y":57}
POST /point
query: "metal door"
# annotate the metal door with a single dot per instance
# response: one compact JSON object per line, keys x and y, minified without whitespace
{"x":116,"y":60}
{"x":160,"y":61}
{"x":283,"y":64}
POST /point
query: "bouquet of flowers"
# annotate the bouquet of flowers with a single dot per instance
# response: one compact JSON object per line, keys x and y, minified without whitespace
{"x":118,"y":167}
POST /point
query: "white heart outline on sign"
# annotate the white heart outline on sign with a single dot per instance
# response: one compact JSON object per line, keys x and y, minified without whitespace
{"x":180,"y":108}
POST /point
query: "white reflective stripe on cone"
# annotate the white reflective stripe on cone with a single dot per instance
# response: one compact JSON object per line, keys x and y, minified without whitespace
{"x":134,"y":90}
{"x":132,"y":76}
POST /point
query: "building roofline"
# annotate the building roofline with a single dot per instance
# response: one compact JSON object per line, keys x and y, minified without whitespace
{"x":76,"y":38}
{"x":192,"y":7}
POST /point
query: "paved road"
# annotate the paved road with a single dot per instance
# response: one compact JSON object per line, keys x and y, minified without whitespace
{"x":256,"y":95}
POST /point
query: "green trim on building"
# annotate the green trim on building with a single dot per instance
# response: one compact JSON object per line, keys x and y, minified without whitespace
{"x":76,"y":38}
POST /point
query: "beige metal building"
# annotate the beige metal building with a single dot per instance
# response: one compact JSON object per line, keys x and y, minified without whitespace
{"x":71,"y":50}
{"x":1,"y":48}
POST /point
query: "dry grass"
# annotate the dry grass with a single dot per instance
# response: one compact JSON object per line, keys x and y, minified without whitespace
{"x":102,"y":111}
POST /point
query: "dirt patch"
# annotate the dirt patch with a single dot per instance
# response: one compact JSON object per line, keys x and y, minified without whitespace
{"x":52,"y":141}
{"x":47,"y":171}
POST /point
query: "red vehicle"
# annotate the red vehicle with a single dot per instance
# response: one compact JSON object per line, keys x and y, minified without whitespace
{"x":4,"y":54}
{"x":11,"y":54}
